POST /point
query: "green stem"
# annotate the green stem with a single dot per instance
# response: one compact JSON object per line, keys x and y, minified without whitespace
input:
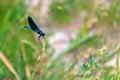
{"x":71,"y":47}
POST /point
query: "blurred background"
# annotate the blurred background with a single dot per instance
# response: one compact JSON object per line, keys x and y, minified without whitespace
{"x":81,"y":41}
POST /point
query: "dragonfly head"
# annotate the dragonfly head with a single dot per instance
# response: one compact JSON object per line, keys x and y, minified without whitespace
{"x":43,"y":34}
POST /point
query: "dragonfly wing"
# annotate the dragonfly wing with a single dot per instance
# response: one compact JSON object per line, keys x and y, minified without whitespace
{"x":32,"y":24}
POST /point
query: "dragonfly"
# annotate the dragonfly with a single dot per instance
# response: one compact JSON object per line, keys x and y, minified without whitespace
{"x":34,"y":28}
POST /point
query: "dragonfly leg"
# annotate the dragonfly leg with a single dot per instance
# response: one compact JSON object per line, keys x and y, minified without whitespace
{"x":39,"y":37}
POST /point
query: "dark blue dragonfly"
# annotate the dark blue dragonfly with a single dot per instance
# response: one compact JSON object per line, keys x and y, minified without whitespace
{"x":34,"y":27}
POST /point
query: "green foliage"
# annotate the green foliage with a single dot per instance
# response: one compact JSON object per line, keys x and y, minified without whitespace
{"x":109,"y":16}
{"x":11,"y":13}
{"x":64,"y":11}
